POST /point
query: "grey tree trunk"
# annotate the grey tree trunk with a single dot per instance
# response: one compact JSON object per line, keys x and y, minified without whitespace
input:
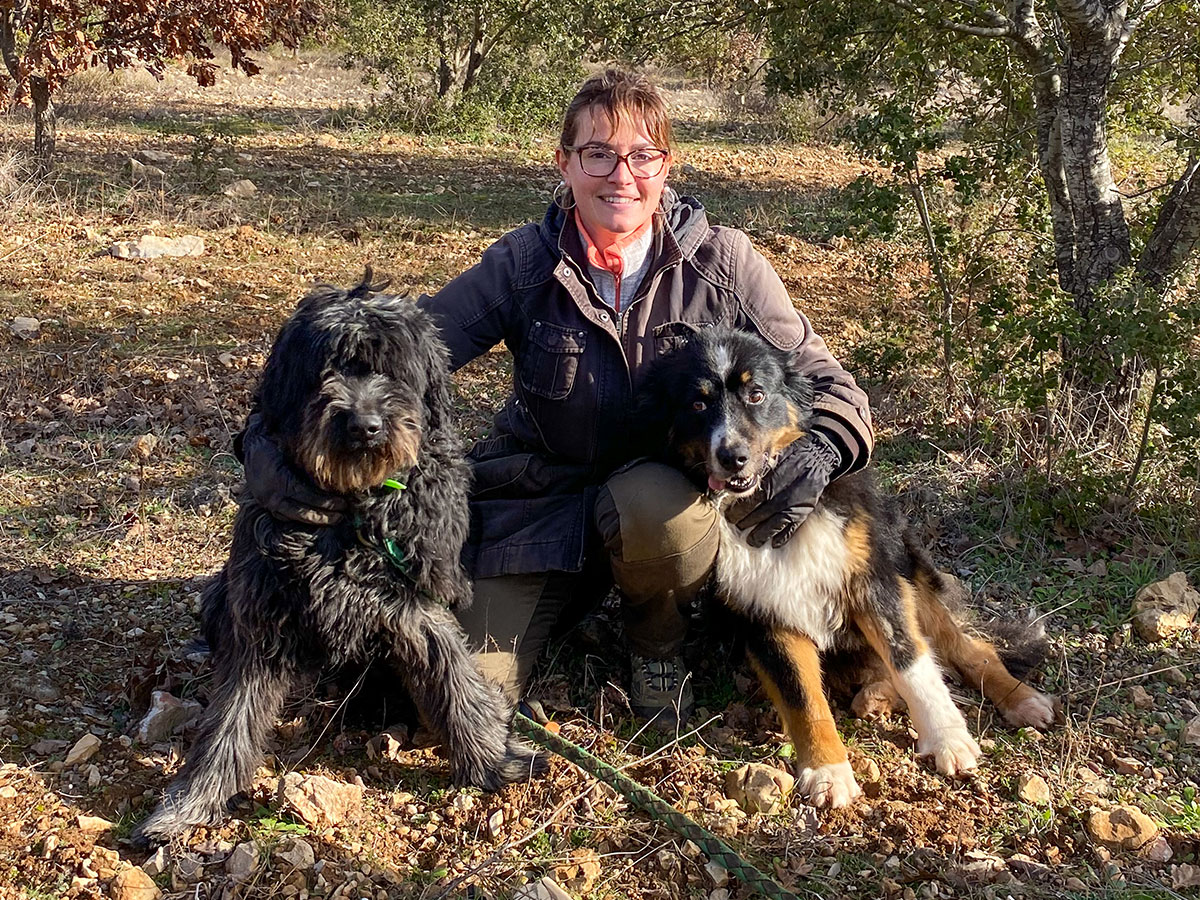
{"x":45,"y":124}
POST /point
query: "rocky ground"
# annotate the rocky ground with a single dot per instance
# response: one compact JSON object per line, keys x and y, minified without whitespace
{"x":126,"y":377}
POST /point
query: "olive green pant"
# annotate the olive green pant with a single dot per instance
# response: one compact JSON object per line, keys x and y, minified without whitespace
{"x":660,"y":536}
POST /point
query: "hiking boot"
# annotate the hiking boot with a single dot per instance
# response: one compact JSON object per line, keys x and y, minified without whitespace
{"x":660,"y":691}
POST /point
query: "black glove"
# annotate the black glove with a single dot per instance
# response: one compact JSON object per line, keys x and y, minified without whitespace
{"x":788,"y":493}
{"x":278,"y":488}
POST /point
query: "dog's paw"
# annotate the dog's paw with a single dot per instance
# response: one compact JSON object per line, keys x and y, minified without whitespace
{"x":877,"y":700}
{"x":831,"y":785}
{"x":953,"y":749}
{"x":1035,"y":710}
{"x":519,"y":762}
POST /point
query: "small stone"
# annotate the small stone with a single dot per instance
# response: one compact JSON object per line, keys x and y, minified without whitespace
{"x":133,"y":884}
{"x":581,"y":871}
{"x":240,"y":189}
{"x":25,"y":328}
{"x":1074,"y":884}
{"x":1027,"y":867}
{"x":1142,"y":698}
{"x":166,"y":715}
{"x":1190,"y":735}
{"x":495,"y":825}
{"x":719,"y":894}
{"x":1032,"y":788}
{"x":758,"y":788}
{"x":93,"y":776}
{"x":1185,"y":875}
{"x":295,"y":854}
{"x":717,"y":874}
{"x":85,"y":748}
{"x":1174,"y":675}
{"x":1127,"y":765}
{"x":1121,"y":828}
{"x":152,"y":246}
{"x":1165,"y":607}
{"x":156,"y":864}
{"x":242,"y":862}
{"x":154,"y":157}
{"x":93,"y":824}
{"x":319,"y":800}
{"x":545,"y":889}
{"x":1158,"y":850}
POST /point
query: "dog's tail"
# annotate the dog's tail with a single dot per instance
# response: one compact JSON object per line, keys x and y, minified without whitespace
{"x":1021,"y":643}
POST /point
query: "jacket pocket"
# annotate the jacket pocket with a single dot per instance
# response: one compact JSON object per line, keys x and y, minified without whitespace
{"x":670,"y":336}
{"x":551,"y":360}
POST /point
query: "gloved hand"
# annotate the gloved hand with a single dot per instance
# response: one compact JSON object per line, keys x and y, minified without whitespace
{"x":788,"y":493}
{"x":279,"y":489}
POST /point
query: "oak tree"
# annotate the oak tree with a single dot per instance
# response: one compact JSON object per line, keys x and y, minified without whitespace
{"x":45,"y":42}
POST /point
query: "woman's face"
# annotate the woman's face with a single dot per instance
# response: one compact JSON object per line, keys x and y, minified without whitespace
{"x":615,"y":206}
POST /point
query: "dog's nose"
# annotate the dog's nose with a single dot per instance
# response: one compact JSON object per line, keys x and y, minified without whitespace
{"x":733,"y":459}
{"x":365,"y":427}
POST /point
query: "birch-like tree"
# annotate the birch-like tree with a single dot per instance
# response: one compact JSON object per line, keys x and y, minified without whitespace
{"x":1051,"y":76}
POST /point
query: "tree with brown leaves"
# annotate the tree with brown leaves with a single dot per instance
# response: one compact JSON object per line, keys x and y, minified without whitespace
{"x":45,"y":42}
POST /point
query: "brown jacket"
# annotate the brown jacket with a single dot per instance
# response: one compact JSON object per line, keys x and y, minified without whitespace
{"x":577,"y":365}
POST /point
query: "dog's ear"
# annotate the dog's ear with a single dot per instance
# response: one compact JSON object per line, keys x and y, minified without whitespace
{"x":799,"y":386}
{"x":292,"y":372}
{"x":655,"y":405}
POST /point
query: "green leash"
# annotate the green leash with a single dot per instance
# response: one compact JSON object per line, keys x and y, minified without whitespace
{"x":656,"y":808}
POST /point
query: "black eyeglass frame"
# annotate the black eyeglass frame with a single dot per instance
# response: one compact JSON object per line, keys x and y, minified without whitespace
{"x":619,"y":158}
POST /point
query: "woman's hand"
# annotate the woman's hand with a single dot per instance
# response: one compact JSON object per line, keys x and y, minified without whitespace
{"x":788,"y":493}
{"x":276,"y":487}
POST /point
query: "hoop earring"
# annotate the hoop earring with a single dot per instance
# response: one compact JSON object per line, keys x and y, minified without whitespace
{"x":563,"y":193}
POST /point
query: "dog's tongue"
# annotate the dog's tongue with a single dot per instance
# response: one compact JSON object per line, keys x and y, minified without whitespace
{"x":715,"y":483}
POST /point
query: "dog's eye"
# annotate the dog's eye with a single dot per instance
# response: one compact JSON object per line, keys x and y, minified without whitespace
{"x":699,"y":406}
{"x":755,"y":398}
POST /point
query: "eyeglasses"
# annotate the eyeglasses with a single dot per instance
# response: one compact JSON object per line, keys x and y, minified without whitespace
{"x":600,"y":162}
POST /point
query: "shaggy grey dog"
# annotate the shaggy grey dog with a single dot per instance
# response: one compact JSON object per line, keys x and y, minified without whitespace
{"x":357,"y":394}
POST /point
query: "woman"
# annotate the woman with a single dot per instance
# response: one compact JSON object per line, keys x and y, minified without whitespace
{"x":619,"y":271}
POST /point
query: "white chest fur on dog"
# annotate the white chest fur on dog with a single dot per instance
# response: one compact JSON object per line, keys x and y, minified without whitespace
{"x":796,"y":585}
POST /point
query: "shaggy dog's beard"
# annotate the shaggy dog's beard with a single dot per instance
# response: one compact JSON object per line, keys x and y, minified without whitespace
{"x":338,"y":463}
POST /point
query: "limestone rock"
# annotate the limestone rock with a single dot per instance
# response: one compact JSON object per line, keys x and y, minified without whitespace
{"x":154,"y":157}
{"x":546,"y":889}
{"x":1142,"y":698}
{"x":133,"y":884}
{"x":1190,"y":735}
{"x":142,"y":175}
{"x":1121,"y":828}
{"x":1158,"y":850}
{"x":295,"y":854}
{"x":1165,"y":607}
{"x":318,"y":800}
{"x":241,"y":863}
{"x":1032,"y":788}
{"x":580,"y":872}
{"x":25,"y":327}
{"x":1185,"y":875}
{"x":156,"y":864}
{"x":85,"y":748}
{"x":93,"y":823}
{"x":1027,"y":867}
{"x":717,"y":874}
{"x":152,"y":246}
{"x":757,"y":787}
{"x":240,"y":189}
{"x":166,"y":715}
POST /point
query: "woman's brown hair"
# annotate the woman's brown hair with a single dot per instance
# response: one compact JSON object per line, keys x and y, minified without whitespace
{"x":622,"y":97}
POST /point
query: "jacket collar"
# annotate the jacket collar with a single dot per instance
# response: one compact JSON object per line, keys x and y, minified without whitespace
{"x":686,"y":226}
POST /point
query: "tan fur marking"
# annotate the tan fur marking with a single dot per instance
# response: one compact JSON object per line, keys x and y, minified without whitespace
{"x":975,"y":660}
{"x":908,"y":600}
{"x":811,"y":728}
{"x":746,"y":377}
{"x":858,"y":545}
{"x":782,"y":438}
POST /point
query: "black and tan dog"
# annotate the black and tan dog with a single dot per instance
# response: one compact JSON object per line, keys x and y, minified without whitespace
{"x":852,"y":577}
{"x":356,"y":392}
